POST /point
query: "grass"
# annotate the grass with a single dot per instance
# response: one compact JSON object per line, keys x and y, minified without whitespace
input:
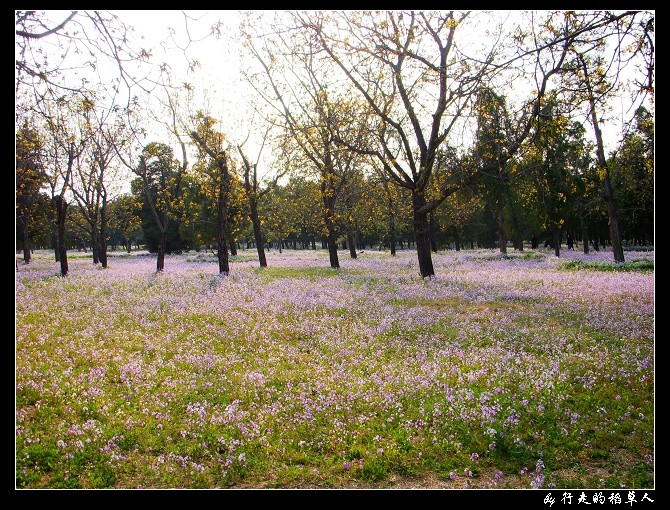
{"x":496,"y":373}
{"x":635,"y":265}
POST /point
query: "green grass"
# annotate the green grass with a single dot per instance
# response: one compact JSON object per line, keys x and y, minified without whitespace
{"x":635,"y":265}
{"x":299,"y":375}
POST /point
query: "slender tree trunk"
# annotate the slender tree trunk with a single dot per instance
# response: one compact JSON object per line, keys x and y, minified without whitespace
{"x":102,"y":243}
{"x":557,"y":243}
{"x":160,"y":257}
{"x":258,"y":236}
{"x":352,"y":246}
{"x":26,"y":243}
{"x":61,"y":212}
{"x":604,"y":173}
{"x":331,"y":240}
{"x":421,"y":234}
{"x":222,"y":253}
{"x":584,"y":229}
{"x":392,"y":232}
{"x":500,"y":224}
{"x":95,"y":246}
{"x":221,"y":234}
{"x":615,"y":237}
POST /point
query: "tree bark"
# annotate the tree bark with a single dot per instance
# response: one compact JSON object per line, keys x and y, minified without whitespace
{"x":421,"y":234}
{"x":26,"y":244}
{"x":331,"y":240}
{"x":431,"y":232}
{"x":160,"y":257}
{"x":352,"y":246}
{"x":221,"y":220}
{"x":61,"y":212}
{"x":95,"y":246}
{"x":102,"y":243}
{"x":258,"y":236}
{"x":557,"y":243}
{"x":500,"y":223}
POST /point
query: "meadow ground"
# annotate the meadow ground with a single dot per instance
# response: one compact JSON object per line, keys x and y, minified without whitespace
{"x":526,"y":371}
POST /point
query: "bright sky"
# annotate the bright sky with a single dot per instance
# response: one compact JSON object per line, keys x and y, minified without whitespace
{"x":219,"y":71}
{"x":220,"y":58}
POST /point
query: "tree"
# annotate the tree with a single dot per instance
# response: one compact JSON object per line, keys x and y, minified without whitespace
{"x":492,"y":128}
{"x":160,"y":178}
{"x":594,"y":74}
{"x":66,"y":142}
{"x":632,"y":171}
{"x":408,"y":68}
{"x":30,"y":178}
{"x":314,"y":112}
{"x":124,"y":219}
{"x":560,"y":156}
{"x":91,"y":178}
{"x":219,"y":174}
{"x":254,"y":193}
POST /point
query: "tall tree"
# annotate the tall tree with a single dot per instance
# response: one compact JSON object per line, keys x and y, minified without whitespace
{"x":161,"y":178}
{"x":254,"y":192}
{"x":67,"y":137}
{"x":219,"y":173}
{"x":300,"y":85}
{"x":492,"y":129}
{"x":124,"y":219}
{"x":92,"y":178}
{"x":632,"y":170}
{"x":411,"y":73}
{"x":30,"y":178}
{"x":595,"y":75}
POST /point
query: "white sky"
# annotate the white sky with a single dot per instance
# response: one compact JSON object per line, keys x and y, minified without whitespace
{"x":219,"y":71}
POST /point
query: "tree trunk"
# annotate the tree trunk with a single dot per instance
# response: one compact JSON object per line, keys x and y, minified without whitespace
{"x":102,"y":243}
{"x":258,"y":236}
{"x":352,"y":246}
{"x":421,"y":234}
{"x":222,"y":252}
{"x":54,"y":240}
{"x":95,"y":246}
{"x":61,"y":212}
{"x":500,"y":223}
{"x":26,"y":244}
{"x":221,"y":238}
{"x":615,"y":237}
{"x":331,"y":240}
{"x":392,"y":233}
{"x":604,"y":173}
{"x":585,"y":231}
{"x":557,"y":243}
{"x":160,"y":258}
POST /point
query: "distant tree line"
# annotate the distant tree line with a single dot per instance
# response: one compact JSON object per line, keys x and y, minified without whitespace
{"x":550,"y":192}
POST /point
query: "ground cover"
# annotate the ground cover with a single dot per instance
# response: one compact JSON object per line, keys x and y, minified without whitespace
{"x":525,"y":371}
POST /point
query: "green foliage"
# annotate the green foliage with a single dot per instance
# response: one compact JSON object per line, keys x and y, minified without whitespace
{"x":643,"y":265}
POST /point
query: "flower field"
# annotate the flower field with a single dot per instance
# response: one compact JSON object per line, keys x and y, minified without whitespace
{"x":527,"y":371}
